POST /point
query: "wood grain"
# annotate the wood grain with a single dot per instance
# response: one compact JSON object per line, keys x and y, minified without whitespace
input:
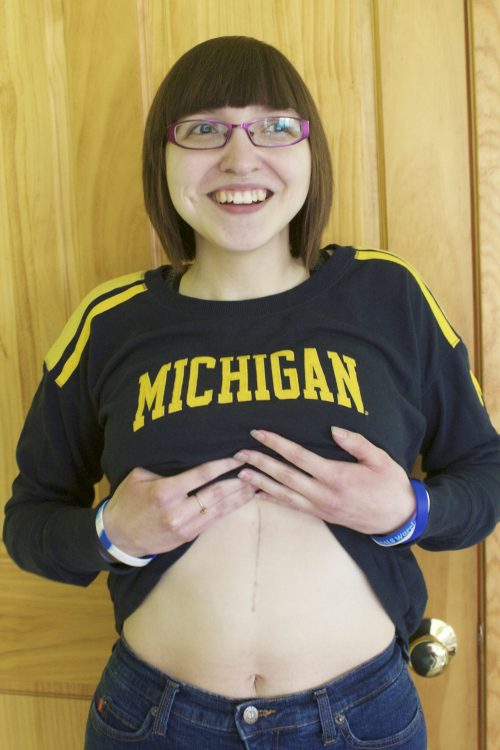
{"x":41,"y":723}
{"x":424,"y":104}
{"x":70,"y":192}
{"x":55,"y":638}
{"x":453,"y":597}
{"x":486,"y":18}
{"x":424,"y":123}
{"x":77,"y":80}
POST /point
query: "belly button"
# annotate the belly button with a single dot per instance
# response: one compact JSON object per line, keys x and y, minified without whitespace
{"x":256,"y":679}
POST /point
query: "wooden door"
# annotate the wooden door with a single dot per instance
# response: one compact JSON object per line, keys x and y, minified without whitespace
{"x":403,"y":90}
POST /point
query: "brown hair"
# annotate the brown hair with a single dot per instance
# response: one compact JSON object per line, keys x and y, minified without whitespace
{"x":235,"y":71}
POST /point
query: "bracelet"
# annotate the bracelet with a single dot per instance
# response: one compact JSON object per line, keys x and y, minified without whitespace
{"x":113,"y":550}
{"x":423,"y":507}
{"x":413,"y":529}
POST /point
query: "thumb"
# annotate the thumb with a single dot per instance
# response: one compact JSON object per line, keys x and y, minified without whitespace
{"x":356,"y":445}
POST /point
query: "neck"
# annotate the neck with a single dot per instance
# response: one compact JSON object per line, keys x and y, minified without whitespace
{"x":241,"y":275}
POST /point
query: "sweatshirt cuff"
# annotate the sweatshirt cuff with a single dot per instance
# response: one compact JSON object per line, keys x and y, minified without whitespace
{"x":79,"y":550}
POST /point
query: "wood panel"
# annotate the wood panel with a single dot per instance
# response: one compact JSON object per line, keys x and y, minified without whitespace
{"x":34,"y":280}
{"x":424,"y":106}
{"x":71,"y":148}
{"x":105,"y":109}
{"x":77,"y":80}
{"x":55,"y":638}
{"x":41,"y":723}
{"x":486,"y":23}
{"x":424,"y":124}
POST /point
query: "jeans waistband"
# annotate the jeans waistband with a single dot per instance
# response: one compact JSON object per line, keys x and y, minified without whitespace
{"x":342,"y":693}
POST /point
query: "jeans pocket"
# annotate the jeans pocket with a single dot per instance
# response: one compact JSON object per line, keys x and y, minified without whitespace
{"x":119,"y":712}
{"x":391,"y":718}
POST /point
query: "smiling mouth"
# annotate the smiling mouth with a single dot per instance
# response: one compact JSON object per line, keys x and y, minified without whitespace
{"x":240,"y":197}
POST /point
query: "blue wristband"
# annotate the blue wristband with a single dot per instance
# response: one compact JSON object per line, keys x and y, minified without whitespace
{"x":401,"y":535}
{"x":413,"y":529}
{"x":115,"y":552}
{"x":423,"y":507}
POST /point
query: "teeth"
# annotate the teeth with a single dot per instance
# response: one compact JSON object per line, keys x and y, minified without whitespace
{"x":240,"y":196}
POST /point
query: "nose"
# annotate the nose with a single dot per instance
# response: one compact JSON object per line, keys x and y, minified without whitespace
{"x":239,"y":155}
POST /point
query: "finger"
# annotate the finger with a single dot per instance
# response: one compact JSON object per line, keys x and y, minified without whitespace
{"x":196,"y":512}
{"x":287,"y":475}
{"x":190,"y":480}
{"x":296,"y":454}
{"x":358,"y":446}
{"x":276,"y":492}
{"x":221,"y":498}
{"x":220,"y":492}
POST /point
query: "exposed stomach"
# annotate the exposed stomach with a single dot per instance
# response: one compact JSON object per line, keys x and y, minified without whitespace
{"x":265,"y":602}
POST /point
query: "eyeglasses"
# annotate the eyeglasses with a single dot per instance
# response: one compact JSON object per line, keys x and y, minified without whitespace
{"x":267,"y":132}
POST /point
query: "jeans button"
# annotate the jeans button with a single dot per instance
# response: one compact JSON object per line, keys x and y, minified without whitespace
{"x":339,"y":719}
{"x":250,"y":715}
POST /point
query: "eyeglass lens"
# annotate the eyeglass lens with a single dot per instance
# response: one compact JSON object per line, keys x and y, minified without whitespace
{"x":268,"y":131}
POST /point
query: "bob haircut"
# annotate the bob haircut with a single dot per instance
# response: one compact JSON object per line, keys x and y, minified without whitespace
{"x":234,"y":71}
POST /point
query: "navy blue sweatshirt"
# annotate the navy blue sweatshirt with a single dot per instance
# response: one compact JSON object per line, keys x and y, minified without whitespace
{"x":144,"y":376}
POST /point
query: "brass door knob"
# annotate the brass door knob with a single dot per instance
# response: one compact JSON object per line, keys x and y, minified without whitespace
{"x":432,"y":647}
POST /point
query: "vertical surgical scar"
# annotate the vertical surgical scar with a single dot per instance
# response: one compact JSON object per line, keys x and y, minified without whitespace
{"x":257,"y":556}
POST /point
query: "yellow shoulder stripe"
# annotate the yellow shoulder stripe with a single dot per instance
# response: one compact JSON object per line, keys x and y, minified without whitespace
{"x":441,"y":319}
{"x":73,"y":360}
{"x":477,"y":386}
{"x":69,"y":331}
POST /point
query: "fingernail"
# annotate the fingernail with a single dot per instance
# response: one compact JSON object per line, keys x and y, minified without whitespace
{"x":241,"y":456}
{"x":340,"y":433}
{"x":257,"y":434}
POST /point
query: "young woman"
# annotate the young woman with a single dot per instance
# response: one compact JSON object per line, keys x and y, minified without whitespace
{"x":257,"y":406}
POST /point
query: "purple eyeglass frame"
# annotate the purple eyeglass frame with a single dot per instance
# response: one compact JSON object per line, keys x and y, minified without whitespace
{"x":231,"y":125}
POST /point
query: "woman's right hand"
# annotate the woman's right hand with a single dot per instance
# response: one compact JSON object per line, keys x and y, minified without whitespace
{"x":149,"y":514}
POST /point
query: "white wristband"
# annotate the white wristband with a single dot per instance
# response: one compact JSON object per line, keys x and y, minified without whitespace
{"x":111,"y":549}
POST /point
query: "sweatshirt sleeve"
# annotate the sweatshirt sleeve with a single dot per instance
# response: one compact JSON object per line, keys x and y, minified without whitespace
{"x":460,"y":448}
{"x":460,"y":452}
{"x":49,"y":526}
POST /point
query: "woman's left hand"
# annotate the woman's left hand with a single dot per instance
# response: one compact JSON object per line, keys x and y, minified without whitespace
{"x":373,"y":495}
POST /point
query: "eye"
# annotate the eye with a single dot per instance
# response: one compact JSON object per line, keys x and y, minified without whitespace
{"x":199,"y":129}
{"x":200,"y":133}
{"x":204,"y":128}
{"x":276,"y":128}
{"x":280,"y":126}
{"x":276,"y":131}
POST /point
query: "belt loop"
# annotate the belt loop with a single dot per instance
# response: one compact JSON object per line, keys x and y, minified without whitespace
{"x":163,"y":712}
{"x":404,"y":647}
{"x":326,"y":717}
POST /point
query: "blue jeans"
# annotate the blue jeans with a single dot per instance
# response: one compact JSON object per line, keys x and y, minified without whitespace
{"x":372,"y":707}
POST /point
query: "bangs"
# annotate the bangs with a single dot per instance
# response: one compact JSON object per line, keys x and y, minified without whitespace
{"x":233,"y":72}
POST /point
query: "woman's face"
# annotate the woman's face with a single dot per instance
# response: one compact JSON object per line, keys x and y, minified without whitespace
{"x":197,"y":179}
